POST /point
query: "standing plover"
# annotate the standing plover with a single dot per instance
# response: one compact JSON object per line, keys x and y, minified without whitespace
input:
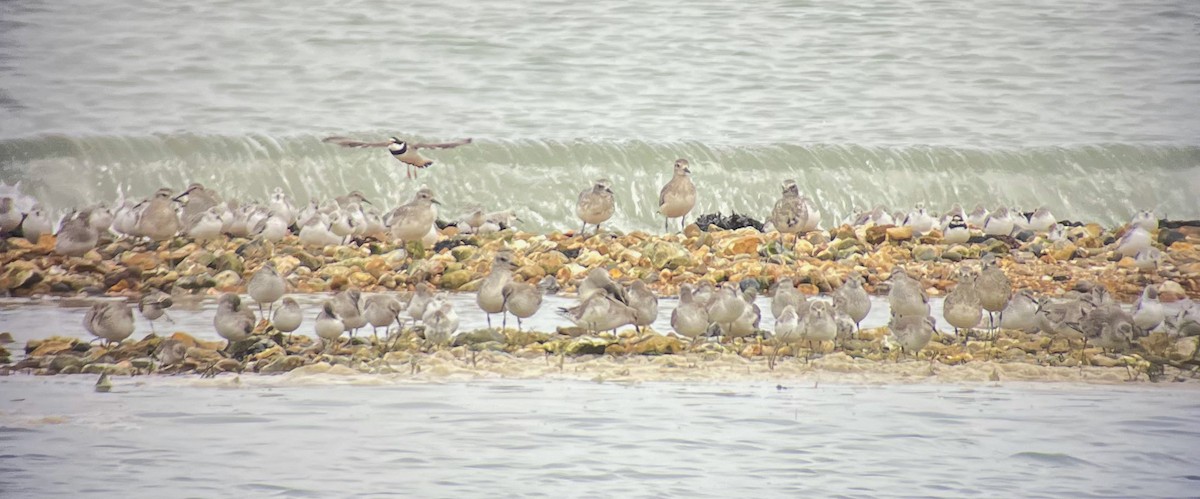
{"x":678,"y":197}
{"x":596,"y":204}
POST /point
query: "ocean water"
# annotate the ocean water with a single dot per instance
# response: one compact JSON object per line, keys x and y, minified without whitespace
{"x":1086,"y":107}
{"x":178,"y":436}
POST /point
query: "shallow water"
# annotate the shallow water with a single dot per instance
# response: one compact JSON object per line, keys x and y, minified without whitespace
{"x":569,"y":439}
{"x":1084,"y":106}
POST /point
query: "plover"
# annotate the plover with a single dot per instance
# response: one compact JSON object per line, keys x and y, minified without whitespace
{"x":644,"y":303}
{"x":1146,"y":220}
{"x":76,"y":236}
{"x":328,"y":326}
{"x":993,"y":287}
{"x":678,"y":197}
{"x":157,"y":219}
{"x":906,"y":297}
{"x":521,"y":299}
{"x":441,"y":321}
{"x":36,"y":224}
{"x":956,"y":231}
{"x":412,"y":220}
{"x":1135,"y":240}
{"x":962,"y":309}
{"x":288,"y":316}
{"x":789,"y":216}
{"x":1021,"y":312}
{"x":786,"y":295}
{"x":405,"y":152}
{"x":596,"y":205}
{"x":1148,"y":312}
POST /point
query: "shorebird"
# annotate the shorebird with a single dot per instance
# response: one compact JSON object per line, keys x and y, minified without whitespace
{"x":1148,"y":312}
{"x":998,"y":223}
{"x":956,"y":231}
{"x":1147,"y":260}
{"x":266,"y":286}
{"x":919,"y":219}
{"x":154,"y":304}
{"x":785,"y":295}
{"x":328,"y":326}
{"x":689,"y":319}
{"x":380,"y":311}
{"x":10,"y":216}
{"x":961,"y":308}
{"x":644,"y":303}
{"x":315,"y":232}
{"x":521,"y":299}
{"x":787,"y":326}
{"x":282,"y":205}
{"x":596,"y":205}
{"x":419,"y":303}
{"x":109,"y":321}
{"x":598,"y":278}
{"x":906,"y":297}
{"x":233,"y":321}
{"x":170,"y":352}
{"x":207,"y":227}
{"x":1109,"y":327}
{"x":790,"y":215}
{"x":1135,"y":240}
{"x":994,"y":289}
{"x":405,"y":152}
{"x":1186,"y":323}
{"x":198,"y":201}
{"x":1042,"y":220}
{"x":157,"y":219}
{"x":272,"y":228}
{"x":490,"y":296}
{"x":348,"y":306}
{"x":814,"y":214}
{"x":35,"y":224}
{"x":746,"y":323}
{"x":1062,"y":319}
{"x":598,"y":311}
{"x":412,"y":220}
{"x":76,"y":236}
{"x":852,"y":299}
{"x":978,"y":216}
{"x":818,"y":326}
{"x":1145,"y":219}
{"x":678,"y":197}
{"x":441,"y":321}
{"x":1021,"y":312}
{"x":726,"y":308}
{"x":911,"y":332}
{"x":288,"y":316}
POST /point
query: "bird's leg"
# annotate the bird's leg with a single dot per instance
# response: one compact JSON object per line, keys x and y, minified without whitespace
{"x":260,"y":311}
{"x":583,"y":230}
{"x":518,"y":324}
{"x":683,"y":222}
{"x":489,"y":320}
{"x":503,"y":320}
{"x":667,"y":225}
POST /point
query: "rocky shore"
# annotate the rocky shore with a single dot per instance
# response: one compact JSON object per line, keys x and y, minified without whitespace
{"x":817,"y":262}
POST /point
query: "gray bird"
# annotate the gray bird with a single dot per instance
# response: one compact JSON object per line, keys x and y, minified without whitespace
{"x":413,"y":220}
{"x":643,"y":302}
{"x":157,"y":219}
{"x":906,"y":297}
{"x":153,"y":305}
{"x":490,"y":296}
{"x":994,"y":289}
{"x":76,"y":236}
{"x":790,"y":215}
{"x":962,"y":309}
{"x":521,"y":299}
{"x":852,"y":300}
{"x":404,"y":152}
{"x":596,"y":205}
{"x":288,"y":316}
{"x":109,"y":321}
{"x":689,"y":319}
{"x":266,"y":286}
{"x":234,"y":321}
{"x":678,"y":197}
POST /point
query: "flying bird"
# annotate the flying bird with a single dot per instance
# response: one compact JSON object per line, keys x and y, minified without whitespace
{"x":405,"y":152}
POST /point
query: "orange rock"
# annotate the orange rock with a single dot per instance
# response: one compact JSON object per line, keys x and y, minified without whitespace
{"x":899,"y":233}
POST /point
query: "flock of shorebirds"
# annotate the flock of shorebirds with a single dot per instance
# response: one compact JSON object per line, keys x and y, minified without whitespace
{"x":707,"y":310}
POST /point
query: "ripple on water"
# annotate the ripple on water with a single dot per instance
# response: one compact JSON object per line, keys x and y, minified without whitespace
{"x":1053,"y":459}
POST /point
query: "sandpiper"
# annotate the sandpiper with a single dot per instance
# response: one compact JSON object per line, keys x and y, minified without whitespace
{"x":1021,"y":312}
{"x":689,"y":319}
{"x":998,"y":223}
{"x":678,"y":197}
{"x":109,"y":321}
{"x":919,"y":219}
{"x":234,"y":321}
{"x":288,"y":316}
{"x":596,"y":205}
{"x":490,"y":297}
{"x":441,"y":321}
{"x":598,"y":311}
{"x":328,"y":326}
{"x":1145,"y":219}
{"x":819,"y":325}
{"x":199,"y":200}
{"x":726,"y":307}
{"x":746,"y":323}
{"x":1041,"y":220}
{"x":644,"y":303}
{"x":380,"y":311}
{"x":521,"y":299}
{"x":76,"y":236}
{"x":419,"y":302}
{"x":10,"y":216}
{"x":412,"y":220}
{"x":786,"y":295}
{"x":1148,"y":312}
{"x":405,"y":152}
{"x":912,"y":332}
{"x":36,"y":224}
{"x":851,"y":299}
{"x":978,"y":216}
{"x":157,"y":219}
{"x":1135,"y":240}
{"x":790,"y":215}
{"x":153,"y":305}
{"x":208,"y":227}
{"x":906,"y":297}
{"x":348,"y":305}
{"x":598,"y":278}
{"x":266,"y":286}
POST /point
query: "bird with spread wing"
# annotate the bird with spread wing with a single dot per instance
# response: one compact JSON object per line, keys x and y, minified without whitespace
{"x":405,"y":152}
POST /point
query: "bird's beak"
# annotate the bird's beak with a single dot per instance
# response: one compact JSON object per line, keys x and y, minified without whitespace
{"x":435,"y":201}
{"x":368,"y":202}
{"x":182,"y":195}
{"x":687,"y":170}
{"x":518,"y":219}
